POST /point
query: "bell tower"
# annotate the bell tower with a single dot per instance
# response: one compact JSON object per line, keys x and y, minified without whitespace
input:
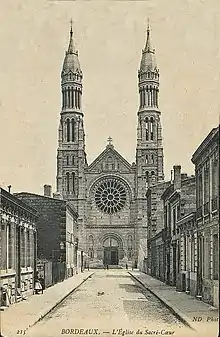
{"x":149,"y":150}
{"x":71,"y":156}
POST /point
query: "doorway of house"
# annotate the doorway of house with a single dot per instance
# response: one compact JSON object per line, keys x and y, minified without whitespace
{"x":110,"y":252}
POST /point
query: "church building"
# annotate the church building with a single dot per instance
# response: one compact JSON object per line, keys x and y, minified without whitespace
{"x":109,"y":193}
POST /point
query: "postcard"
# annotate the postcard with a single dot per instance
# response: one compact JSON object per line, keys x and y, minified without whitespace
{"x":109,"y":175}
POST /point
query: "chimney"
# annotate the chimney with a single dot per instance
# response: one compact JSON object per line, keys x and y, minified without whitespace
{"x":171,"y":176}
{"x":47,"y":190}
{"x":177,"y":177}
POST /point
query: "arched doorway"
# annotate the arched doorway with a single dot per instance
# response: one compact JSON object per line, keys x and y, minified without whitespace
{"x":110,"y":246}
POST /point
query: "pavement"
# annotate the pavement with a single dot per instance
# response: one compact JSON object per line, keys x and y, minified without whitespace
{"x":183,"y":306}
{"x":110,"y":303}
{"x":16,"y":319}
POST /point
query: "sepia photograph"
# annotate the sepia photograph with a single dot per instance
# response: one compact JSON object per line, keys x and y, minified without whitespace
{"x":109,"y":174}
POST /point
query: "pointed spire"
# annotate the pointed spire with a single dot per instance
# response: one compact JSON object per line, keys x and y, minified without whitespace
{"x":71,"y":48}
{"x":148,"y":60}
{"x":71,"y":61}
{"x":148,"y":44}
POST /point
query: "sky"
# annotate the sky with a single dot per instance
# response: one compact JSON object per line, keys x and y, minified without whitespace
{"x":109,"y":36}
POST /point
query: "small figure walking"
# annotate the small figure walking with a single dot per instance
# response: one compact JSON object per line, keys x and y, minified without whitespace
{"x":38,"y":287}
{"x":126,"y":266}
{"x":107,"y":266}
{"x":42,"y":282}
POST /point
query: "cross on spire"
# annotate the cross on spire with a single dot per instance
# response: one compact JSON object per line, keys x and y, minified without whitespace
{"x":109,"y":140}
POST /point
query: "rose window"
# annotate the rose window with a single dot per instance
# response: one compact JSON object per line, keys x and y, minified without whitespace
{"x":110,"y":195}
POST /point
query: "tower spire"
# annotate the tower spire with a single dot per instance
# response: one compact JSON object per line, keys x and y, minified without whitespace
{"x":71,"y":28}
{"x":71,"y":48}
{"x":71,"y":78}
{"x":148,"y":44}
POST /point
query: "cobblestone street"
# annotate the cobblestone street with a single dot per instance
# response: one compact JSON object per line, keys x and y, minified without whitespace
{"x":107,"y":301}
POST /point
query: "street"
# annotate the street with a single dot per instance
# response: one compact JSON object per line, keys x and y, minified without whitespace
{"x":109,"y":303}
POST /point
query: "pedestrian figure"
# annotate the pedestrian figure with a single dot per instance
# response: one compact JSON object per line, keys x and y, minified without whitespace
{"x":38,"y":287}
{"x":107,"y":266}
{"x":42,"y":282}
{"x":126,"y":266}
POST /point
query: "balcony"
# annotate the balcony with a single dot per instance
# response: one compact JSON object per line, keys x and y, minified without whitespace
{"x":214,"y":204}
{"x":206,"y":208}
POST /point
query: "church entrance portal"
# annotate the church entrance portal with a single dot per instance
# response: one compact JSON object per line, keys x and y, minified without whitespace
{"x":110,"y":256}
{"x":110,"y":246}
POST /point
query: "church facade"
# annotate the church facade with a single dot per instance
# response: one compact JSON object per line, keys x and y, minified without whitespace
{"x":109,"y":193}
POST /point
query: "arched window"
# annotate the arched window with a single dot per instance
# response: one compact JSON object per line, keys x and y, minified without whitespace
{"x":68,"y":97}
{"x":146,"y":159}
{"x":130,"y":241}
{"x":151,"y":96}
{"x":73,"y":160}
{"x":67,"y":160}
{"x":147,"y":128}
{"x":152,"y":173}
{"x":68,"y":130}
{"x":68,"y":182}
{"x":91,"y":241}
{"x":157,"y":93}
{"x":152,"y":159}
{"x":147,"y":178}
{"x":151,"y":128}
{"x":73,"y":130}
{"x":79,"y":99}
{"x":110,"y":163}
{"x":110,"y":242}
{"x":148,"y":96}
{"x":73,"y":181}
{"x":144,"y":96}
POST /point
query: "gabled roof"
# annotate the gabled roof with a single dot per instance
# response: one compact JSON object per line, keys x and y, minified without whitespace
{"x":205,"y":143}
{"x":109,"y":151}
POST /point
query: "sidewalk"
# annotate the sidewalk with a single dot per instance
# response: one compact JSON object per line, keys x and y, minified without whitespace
{"x":183,"y":306}
{"x":22,"y":315}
